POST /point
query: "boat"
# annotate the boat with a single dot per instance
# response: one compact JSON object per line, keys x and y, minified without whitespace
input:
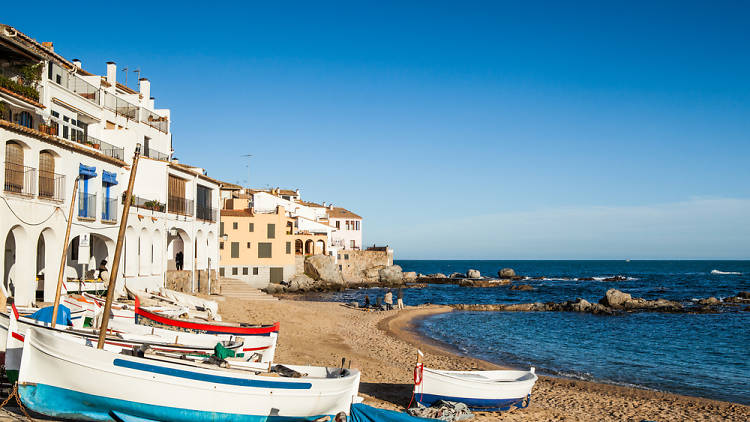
{"x":60,"y":378}
{"x":155,"y":318}
{"x":479,"y":390}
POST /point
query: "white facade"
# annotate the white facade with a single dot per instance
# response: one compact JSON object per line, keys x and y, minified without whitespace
{"x":85,"y":125}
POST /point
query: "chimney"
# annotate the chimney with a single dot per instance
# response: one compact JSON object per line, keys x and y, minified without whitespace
{"x":77,"y":63}
{"x":330,"y":207}
{"x":145,"y":85}
{"x":49,"y":46}
{"x":112,"y":73}
{"x":175,"y":160}
{"x":297,"y":192}
{"x":324,"y":204}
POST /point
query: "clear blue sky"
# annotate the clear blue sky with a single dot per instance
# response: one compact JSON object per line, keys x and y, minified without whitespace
{"x":463,"y":129}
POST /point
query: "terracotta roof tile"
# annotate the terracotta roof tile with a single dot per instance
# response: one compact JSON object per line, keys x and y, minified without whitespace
{"x":338,"y":212}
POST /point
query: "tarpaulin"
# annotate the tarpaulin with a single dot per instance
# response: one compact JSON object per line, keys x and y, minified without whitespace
{"x":45,"y":315}
{"x":86,"y":171}
{"x":364,"y":413}
{"x":109,"y":178}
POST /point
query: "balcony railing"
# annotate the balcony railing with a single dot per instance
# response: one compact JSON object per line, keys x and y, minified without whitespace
{"x":74,"y":83}
{"x":109,"y":210}
{"x":51,"y":186}
{"x":154,"y":120}
{"x":86,"y":205}
{"x":181,"y":206}
{"x":107,"y":148}
{"x":156,"y":155}
{"x":149,"y":204}
{"x":20,"y":179}
{"x":205,"y":213}
{"x":120,"y":106}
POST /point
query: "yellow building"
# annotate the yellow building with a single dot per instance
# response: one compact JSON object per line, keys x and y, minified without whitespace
{"x":256,"y":247}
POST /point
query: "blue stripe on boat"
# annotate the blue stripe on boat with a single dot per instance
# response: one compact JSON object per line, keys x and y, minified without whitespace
{"x":218,"y":379}
{"x":63,"y":403}
{"x":474,"y":404}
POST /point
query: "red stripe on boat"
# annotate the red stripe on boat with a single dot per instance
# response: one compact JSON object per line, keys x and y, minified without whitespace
{"x":17,"y":336}
{"x":15,"y":311}
{"x":250,"y":349}
{"x":224,"y":329}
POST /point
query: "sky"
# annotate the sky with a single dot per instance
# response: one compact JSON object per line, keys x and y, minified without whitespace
{"x":458,"y":130}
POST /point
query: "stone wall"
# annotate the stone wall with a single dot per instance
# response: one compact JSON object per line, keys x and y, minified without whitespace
{"x":181,"y":281}
{"x":299,"y":262}
{"x":354,"y":263}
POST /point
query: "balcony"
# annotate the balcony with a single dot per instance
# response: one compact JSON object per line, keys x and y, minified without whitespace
{"x":20,"y":89}
{"x":106,"y":148}
{"x":147,"y":204}
{"x":181,"y":206}
{"x":87,"y":205}
{"x":205,"y":213}
{"x":156,"y":155}
{"x":120,"y":106}
{"x":109,"y":210}
{"x":19,"y":179}
{"x":51,"y":186}
{"x":157,"y":122}
{"x":73,"y":83}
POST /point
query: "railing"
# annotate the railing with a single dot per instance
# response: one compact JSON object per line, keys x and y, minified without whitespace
{"x":205,"y":213}
{"x":75,"y":84}
{"x":154,"y":120}
{"x":112,"y":151}
{"x":156,"y":155}
{"x":49,"y":130}
{"x":120,"y":106}
{"x":51,"y":186}
{"x":149,"y":204}
{"x":86,"y":205}
{"x":109,"y":209}
{"x":178,"y":205}
{"x":20,"y":179}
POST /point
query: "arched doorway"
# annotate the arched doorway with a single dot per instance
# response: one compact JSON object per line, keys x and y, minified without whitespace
{"x":46,"y":174}
{"x":131,"y":252}
{"x":156,"y":242}
{"x":178,"y":242}
{"x":18,"y":265}
{"x":145,"y":253}
{"x":320,"y":247}
{"x":298,"y":247}
{"x":309,"y":245}
{"x":14,"y":168}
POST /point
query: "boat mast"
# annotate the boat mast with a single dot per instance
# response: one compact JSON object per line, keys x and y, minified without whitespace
{"x":64,"y":253}
{"x":118,"y":250}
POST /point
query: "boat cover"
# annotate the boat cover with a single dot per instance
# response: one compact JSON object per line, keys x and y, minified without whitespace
{"x":364,"y":413}
{"x":45,"y":315}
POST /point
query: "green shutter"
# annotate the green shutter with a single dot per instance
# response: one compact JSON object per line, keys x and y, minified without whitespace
{"x":288,"y":247}
{"x":235,"y":249}
{"x":271,"y":231}
{"x":264,"y":250}
{"x":252,"y":227}
{"x":221,"y":229}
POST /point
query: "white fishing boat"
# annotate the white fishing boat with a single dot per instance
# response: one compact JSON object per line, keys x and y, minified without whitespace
{"x":62,"y":379}
{"x":480,"y":390}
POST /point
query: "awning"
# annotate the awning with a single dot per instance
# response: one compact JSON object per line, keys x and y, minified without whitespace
{"x":109,"y":178}
{"x":86,"y":171}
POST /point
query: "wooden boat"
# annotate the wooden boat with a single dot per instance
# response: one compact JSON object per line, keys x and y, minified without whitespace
{"x":157,"y":319}
{"x":62,"y":379}
{"x":480,"y":390}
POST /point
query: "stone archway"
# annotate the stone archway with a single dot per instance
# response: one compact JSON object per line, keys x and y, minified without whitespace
{"x":201,"y":256}
{"x":299,"y":247}
{"x":178,"y":242}
{"x":47,"y":265}
{"x":157,"y":242}
{"x":145,"y":255}
{"x":18,"y":265}
{"x":131,"y":252}
{"x":309,"y":246}
{"x":320,"y":247}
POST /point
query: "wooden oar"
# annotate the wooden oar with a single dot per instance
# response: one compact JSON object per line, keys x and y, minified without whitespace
{"x":64,"y":259}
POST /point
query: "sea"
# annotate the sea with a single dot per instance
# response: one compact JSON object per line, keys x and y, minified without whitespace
{"x":704,"y":355}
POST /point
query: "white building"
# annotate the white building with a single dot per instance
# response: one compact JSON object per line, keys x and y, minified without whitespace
{"x":348,"y":228}
{"x":73,"y":124}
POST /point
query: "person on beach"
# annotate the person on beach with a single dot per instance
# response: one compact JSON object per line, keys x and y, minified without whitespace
{"x":400,"y":296}
{"x":388,"y":300}
{"x":367,"y":301}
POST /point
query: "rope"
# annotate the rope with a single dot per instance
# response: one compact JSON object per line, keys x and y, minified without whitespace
{"x":418,"y":376}
{"x":14,"y":393}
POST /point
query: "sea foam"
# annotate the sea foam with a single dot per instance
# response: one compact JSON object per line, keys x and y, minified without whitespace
{"x":725,"y":272}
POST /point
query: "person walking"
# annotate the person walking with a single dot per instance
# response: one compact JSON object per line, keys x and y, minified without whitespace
{"x":388,"y":300}
{"x":178,"y":260}
{"x":400,"y":298}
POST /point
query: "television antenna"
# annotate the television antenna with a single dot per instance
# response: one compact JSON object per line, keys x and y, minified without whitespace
{"x":248,"y":156}
{"x":138,"y":71}
{"x":125,"y":69}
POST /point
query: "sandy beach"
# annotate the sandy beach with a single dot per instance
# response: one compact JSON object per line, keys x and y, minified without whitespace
{"x":383,"y":346}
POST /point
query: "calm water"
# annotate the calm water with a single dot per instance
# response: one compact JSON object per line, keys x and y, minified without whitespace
{"x":702,"y":355}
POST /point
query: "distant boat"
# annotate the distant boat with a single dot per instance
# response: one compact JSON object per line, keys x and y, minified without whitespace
{"x":627,"y":260}
{"x":62,"y":379}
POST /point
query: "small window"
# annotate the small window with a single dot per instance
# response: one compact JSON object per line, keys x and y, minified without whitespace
{"x":340,"y":268}
{"x":55,"y":114}
{"x":288,"y":248}
{"x":234,"y":226}
{"x":255,"y":270}
{"x":346,"y":256}
{"x":252,"y":227}
{"x":221,"y":245}
{"x":221,"y":229}
{"x":235,"y":249}
{"x":271,"y":231}
{"x":221,"y":271}
{"x":74,"y":249}
{"x":244,"y":270}
{"x":264,"y":250}
{"x":338,"y":256}
{"x":234,"y":270}
{"x":248,"y":245}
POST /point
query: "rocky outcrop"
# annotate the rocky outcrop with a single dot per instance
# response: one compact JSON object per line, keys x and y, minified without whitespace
{"x":483,"y":282}
{"x":709,"y":301}
{"x":436,"y":275}
{"x":506,"y":273}
{"x":391,"y":275}
{"x":522,"y":287}
{"x":410,"y":276}
{"x":301,"y":282}
{"x":618,"y":300}
{"x":615,"y":298}
{"x":322,"y":268}
{"x":615,"y":278}
{"x":473,"y":274}
{"x":457,"y":275}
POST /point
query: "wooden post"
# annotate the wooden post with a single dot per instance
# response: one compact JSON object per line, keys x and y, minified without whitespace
{"x":118,"y":252}
{"x":64,"y":258}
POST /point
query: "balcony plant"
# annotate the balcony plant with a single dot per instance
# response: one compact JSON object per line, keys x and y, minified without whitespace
{"x":27,"y":79}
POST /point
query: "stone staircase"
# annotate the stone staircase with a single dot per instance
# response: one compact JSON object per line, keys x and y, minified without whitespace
{"x":241,"y":290}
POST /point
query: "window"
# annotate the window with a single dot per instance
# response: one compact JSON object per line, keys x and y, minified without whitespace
{"x":221,"y":229}
{"x":25,"y":119}
{"x":288,"y":248}
{"x":271,"y":231}
{"x":46,"y":175}
{"x":248,"y":245}
{"x":221,"y":245}
{"x":221,"y":271}
{"x":235,"y":249}
{"x":264,"y":250}
{"x":244,"y":270}
{"x":252,"y":227}
{"x":353,"y":244}
{"x":346,"y":256}
{"x":338,"y":224}
{"x":234,"y":270}
{"x":234,"y":226}
{"x":14,"y":171}
{"x":255,"y":270}
{"x":74,"y":249}
{"x":65,"y":132}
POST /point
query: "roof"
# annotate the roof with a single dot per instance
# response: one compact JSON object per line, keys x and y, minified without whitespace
{"x":18,"y":38}
{"x":310,"y":204}
{"x":190,"y":169}
{"x":21,"y":97}
{"x":237,"y":213}
{"x":338,"y":212}
{"x":230,"y":186}
{"x":61,"y":142}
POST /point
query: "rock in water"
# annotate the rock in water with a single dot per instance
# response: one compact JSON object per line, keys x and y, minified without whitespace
{"x":522,"y":287}
{"x":457,"y":275}
{"x":391,"y":275}
{"x":410,"y":276}
{"x":615,"y":299}
{"x":506,"y":273}
{"x":321,"y":267}
{"x":473,"y":274}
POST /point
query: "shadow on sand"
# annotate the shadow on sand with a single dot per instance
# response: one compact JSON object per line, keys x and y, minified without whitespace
{"x":398,"y":394}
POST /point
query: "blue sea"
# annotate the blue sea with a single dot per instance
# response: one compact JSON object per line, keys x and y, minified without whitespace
{"x":705,"y":355}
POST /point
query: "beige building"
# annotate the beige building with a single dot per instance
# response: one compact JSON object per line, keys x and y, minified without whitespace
{"x":256,"y":247}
